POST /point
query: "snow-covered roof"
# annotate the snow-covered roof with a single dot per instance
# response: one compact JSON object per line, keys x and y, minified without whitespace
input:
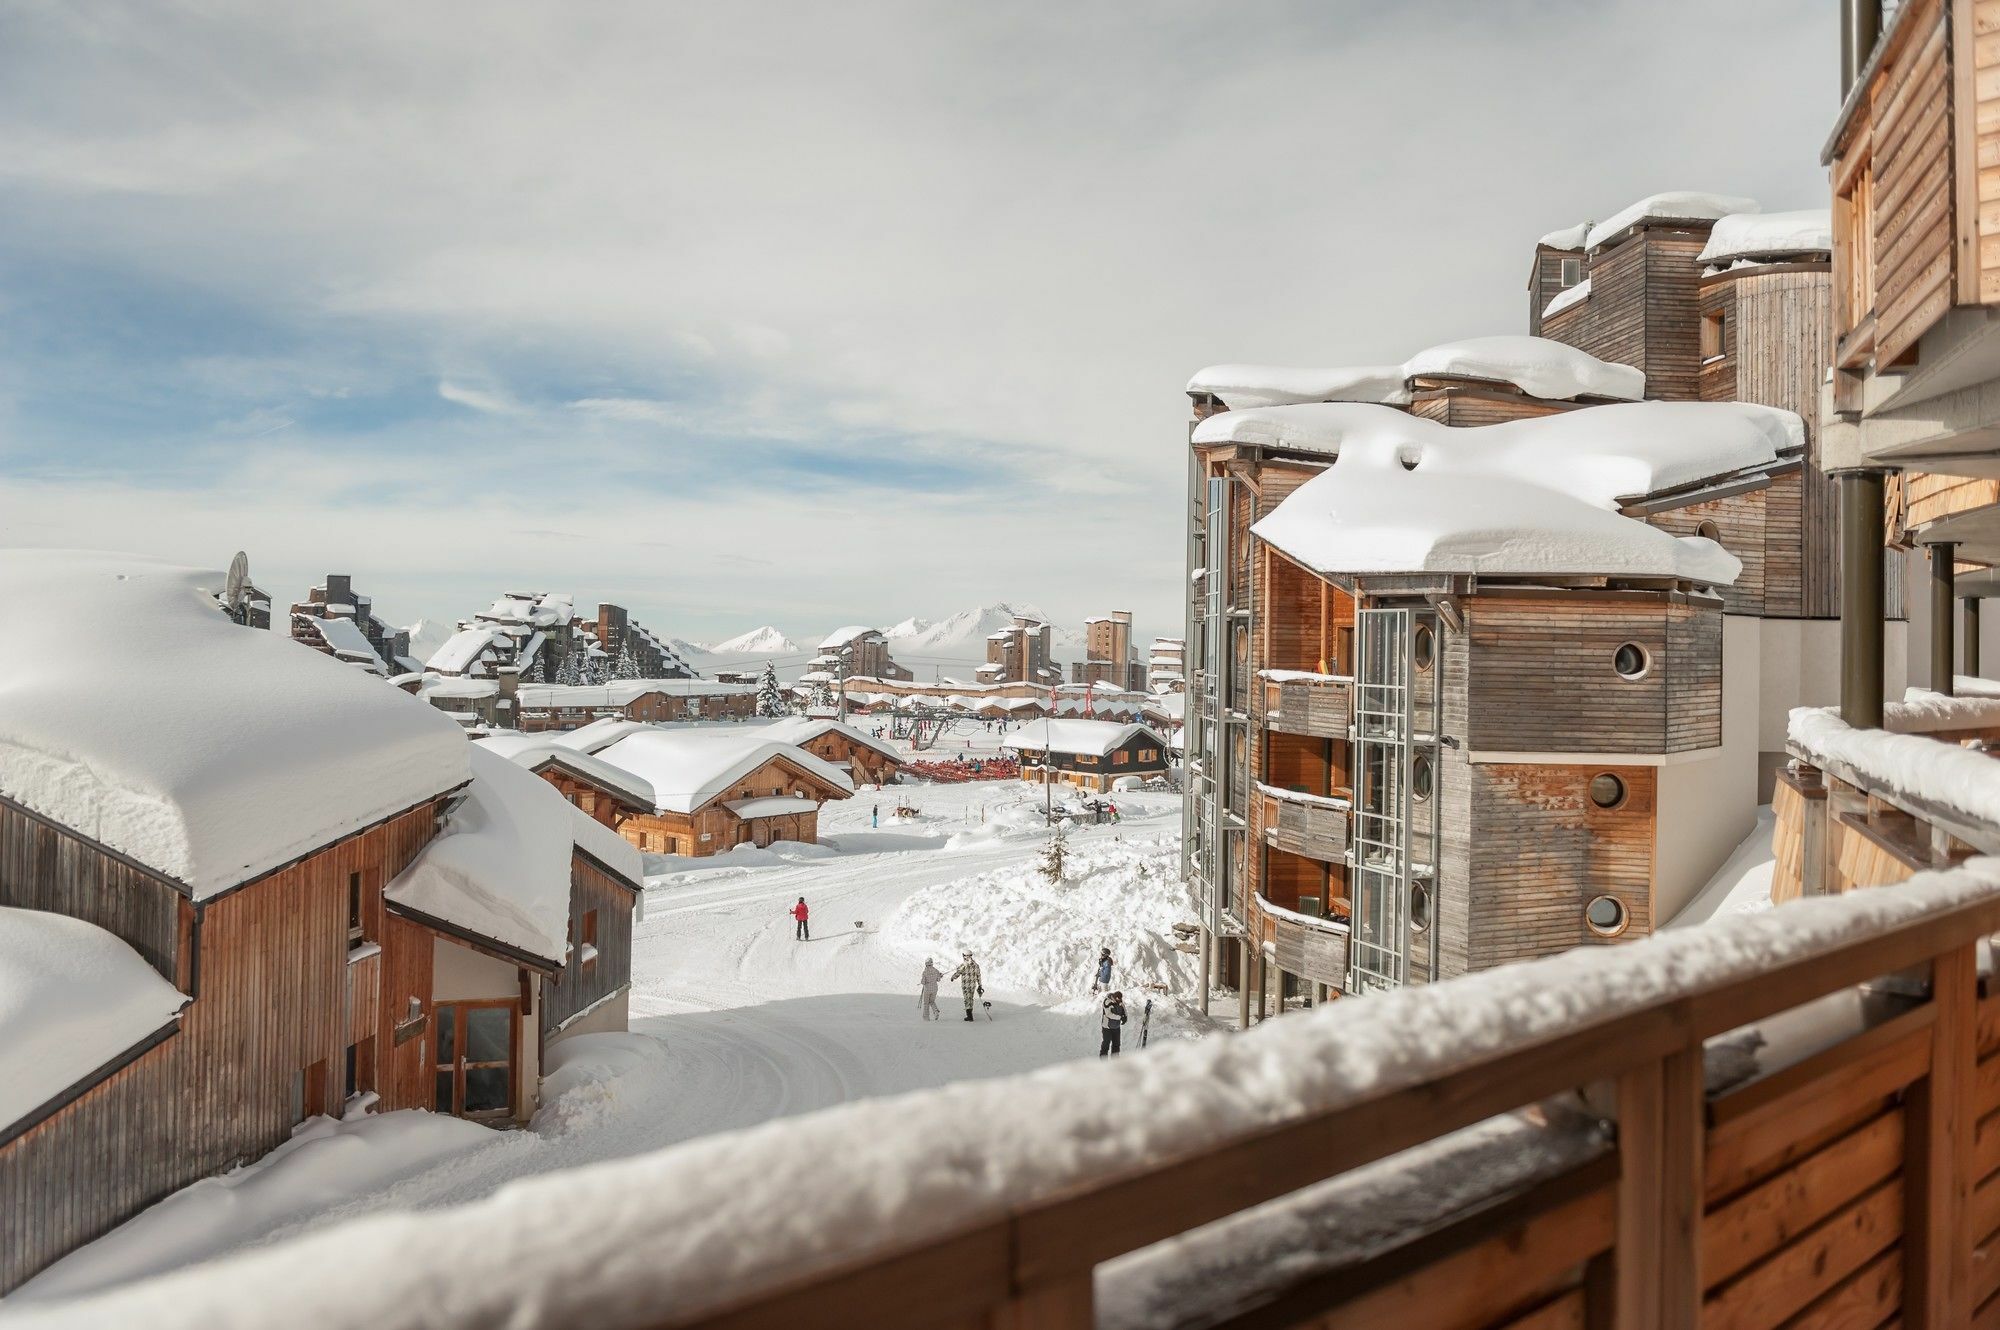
{"x":535,"y":751}
{"x":344,"y":635}
{"x":1536,"y":496}
{"x":550,"y":610}
{"x":73,"y":997}
{"x":1675,"y":205}
{"x":771,"y":806}
{"x":689,"y":768}
{"x":1562,"y":300}
{"x":1091,"y":738}
{"x":499,"y":867}
{"x":607,"y":847}
{"x":840,"y":637}
{"x":802,"y":730}
{"x":229,"y":752}
{"x":1537,"y":366}
{"x":598,"y":735}
{"x":1273,"y":385}
{"x":1763,"y":235}
{"x":1568,"y":237}
{"x":624,"y":692}
{"x":461,"y":649}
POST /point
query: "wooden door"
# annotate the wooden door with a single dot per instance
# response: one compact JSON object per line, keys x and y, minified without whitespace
{"x":475,"y":1058}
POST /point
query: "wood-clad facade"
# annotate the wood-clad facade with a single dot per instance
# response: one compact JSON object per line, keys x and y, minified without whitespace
{"x":712,"y":827}
{"x":601,"y":910}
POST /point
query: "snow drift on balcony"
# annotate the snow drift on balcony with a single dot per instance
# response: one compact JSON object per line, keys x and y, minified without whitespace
{"x":72,"y":998}
{"x":1275,"y":385}
{"x":1676,"y":205}
{"x":1538,"y":366}
{"x":1527,"y":496}
{"x":499,"y":867}
{"x":667,"y":1234}
{"x":207,"y":751}
{"x":1763,"y":235}
{"x":1935,"y":772}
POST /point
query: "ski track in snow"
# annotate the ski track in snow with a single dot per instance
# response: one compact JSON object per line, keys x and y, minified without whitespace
{"x":753,"y":1024}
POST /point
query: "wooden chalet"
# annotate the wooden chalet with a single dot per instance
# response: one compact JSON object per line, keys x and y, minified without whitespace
{"x":866,"y":760}
{"x":1090,"y":754}
{"x":715,"y":789}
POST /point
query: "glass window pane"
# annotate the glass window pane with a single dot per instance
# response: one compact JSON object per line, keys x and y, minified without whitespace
{"x":447,"y":1032}
{"x":444,"y":1104}
{"x":486,"y":1089}
{"x":486,"y":1034}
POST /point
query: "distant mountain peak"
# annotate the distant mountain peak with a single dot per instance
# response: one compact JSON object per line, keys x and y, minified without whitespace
{"x":767,"y":641}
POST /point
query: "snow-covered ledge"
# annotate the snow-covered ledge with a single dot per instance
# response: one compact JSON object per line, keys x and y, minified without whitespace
{"x":1936,"y":779}
{"x":1311,"y":921}
{"x":1301,"y":797}
{"x":661,"y":1235}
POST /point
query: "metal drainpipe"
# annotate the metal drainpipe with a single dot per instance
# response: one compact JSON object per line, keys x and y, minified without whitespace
{"x":1971,"y":647}
{"x":1943,"y":658}
{"x":1861,"y":574}
{"x":1860,"y":28}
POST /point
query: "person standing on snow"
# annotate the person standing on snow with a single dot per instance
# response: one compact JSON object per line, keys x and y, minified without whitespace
{"x":799,"y":912}
{"x":927,"y":1006}
{"x":875,"y":820}
{"x":1114,"y":1025}
{"x":1103,"y":971}
{"x":967,"y":975}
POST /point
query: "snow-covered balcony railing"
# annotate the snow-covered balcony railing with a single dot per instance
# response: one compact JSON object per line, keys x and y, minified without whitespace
{"x":1308,"y":824}
{"x":1711,"y":1125}
{"x":1301,"y":702}
{"x":1301,"y":944}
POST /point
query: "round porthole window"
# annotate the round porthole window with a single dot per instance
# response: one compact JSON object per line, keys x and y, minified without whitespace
{"x":1420,"y":905}
{"x":1606,"y":790}
{"x":1424,"y":647}
{"x":1630,"y":661}
{"x":1421,"y":777}
{"x":1606,"y":916}
{"x":1708,"y":531}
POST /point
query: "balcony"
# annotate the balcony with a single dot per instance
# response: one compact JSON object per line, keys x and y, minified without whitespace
{"x":1317,"y":706}
{"x":1306,"y":824}
{"x":1311,"y":948}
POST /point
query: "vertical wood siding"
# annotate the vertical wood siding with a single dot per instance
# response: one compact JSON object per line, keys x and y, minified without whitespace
{"x":576,"y":986}
{"x":42,"y":868}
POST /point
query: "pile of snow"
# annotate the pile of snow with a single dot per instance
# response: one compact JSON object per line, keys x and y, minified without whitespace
{"x":1678,"y":205}
{"x":1032,"y":934}
{"x":1275,"y":385}
{"x":326,"y":1162}
{"x":1535,"y":496}
{"x":689,"y":767}
{"x":499,"y":866}
{"x":1567,"y":238}
{"x":208,"y":752}
{"x":1562,"y":300}
{"x":1088,"y":738}
{"x":1765,"y":235}
{"x":1538,"y":366}
{"x":588,"y":1079}
{"x":73,"y":997}
{"x":696,"y":1226}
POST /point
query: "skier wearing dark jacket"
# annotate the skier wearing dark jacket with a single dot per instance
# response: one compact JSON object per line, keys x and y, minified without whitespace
{"x":1114,"y":1025}
{"x":1103,"y":971}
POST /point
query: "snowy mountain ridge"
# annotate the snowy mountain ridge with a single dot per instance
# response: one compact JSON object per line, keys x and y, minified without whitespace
{"x":765,"y":641}
{"x":963,"y":635}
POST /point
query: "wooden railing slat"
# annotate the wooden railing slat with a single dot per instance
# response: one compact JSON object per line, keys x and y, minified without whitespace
{"x":1937,"y":1248}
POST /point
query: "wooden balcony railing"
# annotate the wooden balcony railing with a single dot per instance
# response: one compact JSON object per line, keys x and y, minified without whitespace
{"x":1305,"y":824}
{"x":1314,"y":949}
{"x":1314,"y":705}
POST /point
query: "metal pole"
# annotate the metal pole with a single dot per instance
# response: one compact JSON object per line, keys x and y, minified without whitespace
{"x":1861,"y":576}
{"x":1971,"y":647}
{"x":1944,"y":661}
{"x":1207,"y":945}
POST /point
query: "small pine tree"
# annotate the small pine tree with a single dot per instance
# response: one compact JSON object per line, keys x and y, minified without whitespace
{"x":1056,"y":853}
{"x":770,"y":697}
{"x":627,"y":666}
{"x":566,"y":673}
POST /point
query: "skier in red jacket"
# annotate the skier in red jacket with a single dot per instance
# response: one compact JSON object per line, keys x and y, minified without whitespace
{"x":799,"y":913}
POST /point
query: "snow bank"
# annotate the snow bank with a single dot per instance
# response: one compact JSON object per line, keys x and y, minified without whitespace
{"x":325,"y":1163}
{"x":1537,"y":366}
{"x":1528,"y":496}
{"x":1763,"y":235}
{"x":227,"y":752}
{"x":500,"y":864}
{"x":1679,"y":205}
{"x":589,"y":1079}
{"x":72,"y":998}
{"x":1934,"y":772}
{"x":664,"y":1234}
{"x":1562,"y":300}
{"x":1032,"y":934}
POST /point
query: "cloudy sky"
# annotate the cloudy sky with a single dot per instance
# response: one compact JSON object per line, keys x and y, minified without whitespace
{"x":802,"y":313}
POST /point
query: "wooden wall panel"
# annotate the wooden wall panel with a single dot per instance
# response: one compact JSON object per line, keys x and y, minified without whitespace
{"x":1740,"y":523}
{"x":44,"y":868}
{"x":1541,"y":679}
{"x":576,"y":986}
{"x":1694,"y":679}
{"x":1913,"y":183}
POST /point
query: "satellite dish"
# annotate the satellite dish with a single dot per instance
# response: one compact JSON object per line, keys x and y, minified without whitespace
{"x":233,"y":585}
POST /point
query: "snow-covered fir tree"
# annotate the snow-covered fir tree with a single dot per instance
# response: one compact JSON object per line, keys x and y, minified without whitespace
{"x":1056,"y":853}
{"x":821,"y":694}
{"x":770,"y":697}
{"x":627,"y":664}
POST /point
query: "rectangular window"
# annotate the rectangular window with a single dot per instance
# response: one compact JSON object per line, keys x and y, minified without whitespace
{"x":354,"y":932}
{"x":589,"y":938}
{"x":1572,"y":272}
{"x":1712,"y":330}
{"x":1121,"y":758}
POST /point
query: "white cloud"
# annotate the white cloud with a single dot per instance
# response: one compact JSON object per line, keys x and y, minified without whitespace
{"x":479,"y":399}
